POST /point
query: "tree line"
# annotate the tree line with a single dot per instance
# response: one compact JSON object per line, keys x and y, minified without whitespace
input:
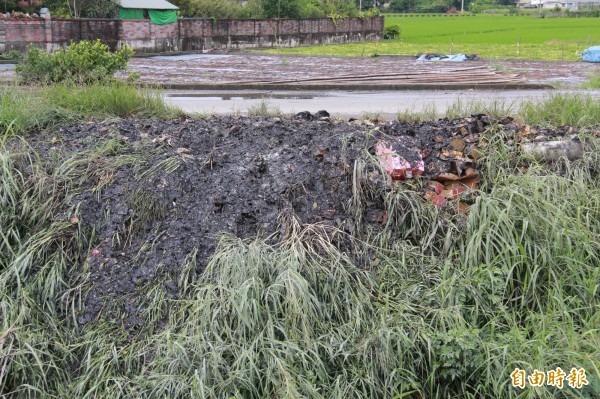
{"x":223,"y":9}
{"x":210,"y":8}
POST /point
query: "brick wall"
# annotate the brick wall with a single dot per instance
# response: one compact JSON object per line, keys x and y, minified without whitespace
{"x":265,"y":27}
{"x":66,"y":30}
{"x":166,"y":31}
{"x":289,"y":27}
{"x":18,"y":33}
{"x":134,"y":30}
{"x":187,"y":34}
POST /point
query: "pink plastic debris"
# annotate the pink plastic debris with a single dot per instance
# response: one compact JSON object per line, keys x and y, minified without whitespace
{"x":395,"y":165}
{"x":95,"y":252}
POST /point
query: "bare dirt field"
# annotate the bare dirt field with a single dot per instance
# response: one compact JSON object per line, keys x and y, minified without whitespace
{"x":224,"y":68}
{"x":204,"y":69}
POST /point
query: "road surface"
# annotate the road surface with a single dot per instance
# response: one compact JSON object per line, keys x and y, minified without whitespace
{"x":356,"y":104}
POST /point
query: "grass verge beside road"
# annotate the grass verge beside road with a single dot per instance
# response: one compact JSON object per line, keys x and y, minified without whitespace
{"x":26,"y":110}
{"x":577,"y":110}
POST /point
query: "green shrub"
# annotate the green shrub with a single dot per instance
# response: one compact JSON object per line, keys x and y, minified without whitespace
{"x":392,"y":32}
{"x":83,"y":63}
{"x":11,"y":55}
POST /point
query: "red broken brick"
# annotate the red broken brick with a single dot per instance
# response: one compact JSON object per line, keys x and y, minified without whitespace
{"x":395,"y":165}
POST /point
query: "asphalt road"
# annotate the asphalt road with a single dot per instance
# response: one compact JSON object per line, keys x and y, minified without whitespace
{"x":355,"y":104}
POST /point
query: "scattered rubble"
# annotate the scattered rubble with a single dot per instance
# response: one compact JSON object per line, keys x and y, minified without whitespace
{"x":450,"y":150}
{"x":18,"y":15}
{"x":551,"y":151}
{"x":167,"y":188}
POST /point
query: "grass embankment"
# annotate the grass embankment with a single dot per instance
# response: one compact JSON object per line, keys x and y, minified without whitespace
{"x":26,"y":110}
{"x":490,"y":36}
{"x":436,"y":305}
{"x":555,"y":110}
{"x":593,"y":82}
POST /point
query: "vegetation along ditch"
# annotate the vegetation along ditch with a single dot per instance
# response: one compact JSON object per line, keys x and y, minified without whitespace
{"x":145,"y":253}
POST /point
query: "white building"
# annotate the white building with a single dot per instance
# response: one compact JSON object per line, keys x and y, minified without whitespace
{"x":564,"y":4}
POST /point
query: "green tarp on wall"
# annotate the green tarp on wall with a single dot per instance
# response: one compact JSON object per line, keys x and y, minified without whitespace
{"x":160,"y":17}
{"x":131,"y":13}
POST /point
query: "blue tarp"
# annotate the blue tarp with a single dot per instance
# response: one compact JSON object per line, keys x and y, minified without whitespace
{"x":591,"y":54}
{"x":448,"y":57}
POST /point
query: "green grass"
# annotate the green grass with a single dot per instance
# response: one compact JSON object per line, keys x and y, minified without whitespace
{"x":577,"y":110}
{"x":490,"y":36}
{"x":593,"y":82}
{"x":486,"y":29}
{"x":435,"y":305}
{"x":264,"y":109}
{"x":563,"y":110}
{"x":27,"y":110}
{"x":555,"y":110}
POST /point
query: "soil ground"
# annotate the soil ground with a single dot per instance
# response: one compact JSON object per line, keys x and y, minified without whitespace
{"x":164,"y":190}
{"x":216,"y":68}
{"x":221,"y":68}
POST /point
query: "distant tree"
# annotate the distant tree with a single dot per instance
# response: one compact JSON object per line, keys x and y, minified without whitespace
{"x":9,"y":5}
{"x":281,"y":8}
{"x":400,"y":5}
{"x":82,"y":8}
{"x":252,"y":9}
{"x":185,"y":7}
{"x":222,"y":9}
{"x":338,"y":7}
{"x":22,"y":6}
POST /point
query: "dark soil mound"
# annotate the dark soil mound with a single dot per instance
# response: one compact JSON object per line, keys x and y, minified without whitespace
{"x":189,"y":180}
{"x":162,"y":191}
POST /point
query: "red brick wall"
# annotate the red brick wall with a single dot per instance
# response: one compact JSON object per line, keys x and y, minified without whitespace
{"x":195,"y":27}
{"x":220,"y":27}
{"x":241,"y":27}
{"x":165,"y":31}
{"x":28,"y":31}
{"x":356,"y":25}
{"x":343,"y":25}
{"x":145,"y":36}
{"x":134,"y":30}
{"x":327,"y":25}
{"x":289,"y":27}
{"x":66,"y":30}
{"x":265,"y":27}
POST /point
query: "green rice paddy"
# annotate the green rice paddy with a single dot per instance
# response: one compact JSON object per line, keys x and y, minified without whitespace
{"x":490,"y":36}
